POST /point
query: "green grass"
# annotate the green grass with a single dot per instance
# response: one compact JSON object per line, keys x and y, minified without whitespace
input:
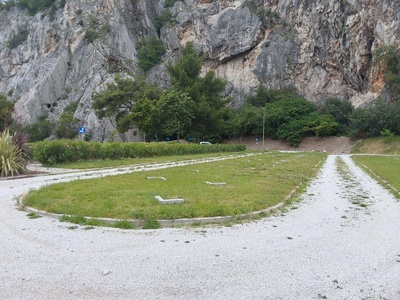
{"x":94,"y":164}
{"x":386,"y":167}
{"x":378,"y":145}
{"x":253,"y":183}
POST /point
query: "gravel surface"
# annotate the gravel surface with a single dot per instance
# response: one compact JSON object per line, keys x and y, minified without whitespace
{"x":328,"y":246}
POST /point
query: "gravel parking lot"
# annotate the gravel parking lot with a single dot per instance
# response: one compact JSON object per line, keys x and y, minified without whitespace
{"x":342,"y":241}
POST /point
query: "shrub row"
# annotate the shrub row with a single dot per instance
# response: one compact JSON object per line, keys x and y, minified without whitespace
{"x":60,"y":151}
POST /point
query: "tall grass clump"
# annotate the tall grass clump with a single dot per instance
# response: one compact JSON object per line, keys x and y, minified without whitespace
{"x":14,"y":154}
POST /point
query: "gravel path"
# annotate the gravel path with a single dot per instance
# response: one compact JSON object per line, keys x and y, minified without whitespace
{"x":327,"y":247}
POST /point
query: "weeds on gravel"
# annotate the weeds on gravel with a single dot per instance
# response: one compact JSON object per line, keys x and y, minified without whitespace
{"x":346,"y":175}
{"x":33,"y":215}
{"x":151,"y":224}
{"x":81,"y":220}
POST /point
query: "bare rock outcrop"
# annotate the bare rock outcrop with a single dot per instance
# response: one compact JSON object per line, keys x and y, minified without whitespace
{"x":322,"y":48}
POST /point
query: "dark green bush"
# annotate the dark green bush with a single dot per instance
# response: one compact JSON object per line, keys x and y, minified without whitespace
{"x":91,"y":35}
{"x":340,"y":110}
{"x":39,"y":130}
{"x":60,"y":151}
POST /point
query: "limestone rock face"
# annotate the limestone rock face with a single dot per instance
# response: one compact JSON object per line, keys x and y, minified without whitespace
{"x":322,"y":48}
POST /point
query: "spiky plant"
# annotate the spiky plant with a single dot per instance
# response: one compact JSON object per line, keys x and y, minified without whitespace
{"x":12,"y":160}
{"x":21,"y":140}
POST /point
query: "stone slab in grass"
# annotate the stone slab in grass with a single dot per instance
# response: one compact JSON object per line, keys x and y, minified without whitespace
{"x":157,"y":177}
{"x":169,"y":201}
{"x":216,"y":183}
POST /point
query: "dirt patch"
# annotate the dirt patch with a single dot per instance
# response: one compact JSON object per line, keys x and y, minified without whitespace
{"x":331,"y":144}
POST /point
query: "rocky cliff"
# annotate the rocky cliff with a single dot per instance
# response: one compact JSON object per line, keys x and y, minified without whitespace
{"x":322,"y":48}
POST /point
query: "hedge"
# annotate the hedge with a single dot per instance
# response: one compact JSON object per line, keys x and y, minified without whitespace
{"x":60,"y":151}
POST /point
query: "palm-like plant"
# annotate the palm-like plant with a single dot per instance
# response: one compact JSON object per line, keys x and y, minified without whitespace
{"x":13,"y":159}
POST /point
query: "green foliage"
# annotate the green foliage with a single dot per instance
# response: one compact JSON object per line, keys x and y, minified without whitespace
{"x":370,"y":121}
{"x":210,"y":111}
{"x":340,"y":110}
{"x":39,"y":130}
{"x":33,"y":215}
{"x":150,"y":53}
{"x":34,"y":6}
{"x":91,"y":35}
{"x":51,"y":152}
{"x":131,"y":101}
{"x":185,"y":73}
{"x":164,"y":18}
{"x":175,"y":112}
{"x":6,"y":111}
{"x":67,"y":125}
{"x":144,"y":114}
{"x":320,"y":125}
{"x":124,"y":224}
{"x":151,"y":224}
{"x":386,"y":133}
{"x":248,"y":120}
{"x":59,"y":151}
{"x":389,"y":58}
{"x":81,"y":220}
{"x":13,"y":159}
{"x":261,"y":97}
{"x":118,"y":97}
{"x":288,"y":118}
{"x":264,"y":96}
{"x":134,"y":102}
{"x":17,"y":39}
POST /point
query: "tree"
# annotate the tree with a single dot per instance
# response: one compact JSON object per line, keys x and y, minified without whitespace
{"x":286,"y":118}
{"x":119,"y":99}
{"x":144,"y":115}
{"x":379,"y":117}
{"x":248,"y":120}
{"x":6,"y":111}
{"x":185,"y":73}
{"x":175,"y":112}
{"x":209,"y":110}
{"x":320,"y":125}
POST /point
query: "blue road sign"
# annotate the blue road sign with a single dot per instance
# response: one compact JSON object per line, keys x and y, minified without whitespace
{"x":82,"y":130}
